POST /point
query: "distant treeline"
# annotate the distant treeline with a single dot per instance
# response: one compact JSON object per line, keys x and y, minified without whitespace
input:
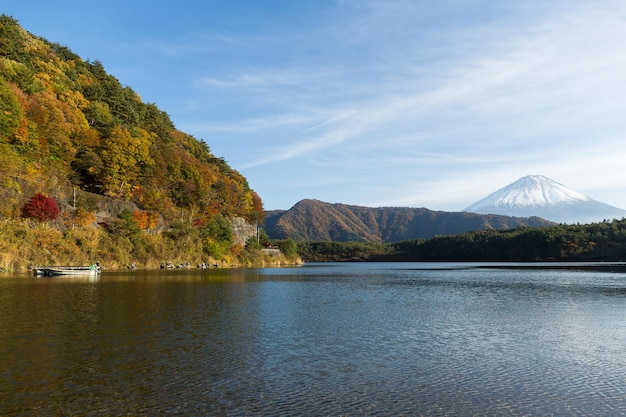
{"x":604,"y":241}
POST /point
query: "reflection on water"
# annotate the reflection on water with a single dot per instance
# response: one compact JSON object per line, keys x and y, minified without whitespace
{"x":324,"y":339}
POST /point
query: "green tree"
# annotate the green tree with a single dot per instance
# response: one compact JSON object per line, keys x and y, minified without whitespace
{"x":12,"y":38}
{"x":217,"y":237}
{"x":130,"y":224}
{"x":99,"y":117}
{"x":288,"y":247}
{"x":10,"y":112}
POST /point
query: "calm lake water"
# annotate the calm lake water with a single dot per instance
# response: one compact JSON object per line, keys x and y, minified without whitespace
{"x":322,"y":339}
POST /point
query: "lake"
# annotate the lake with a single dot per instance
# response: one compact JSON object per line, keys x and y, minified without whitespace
{"x":322,"y":339}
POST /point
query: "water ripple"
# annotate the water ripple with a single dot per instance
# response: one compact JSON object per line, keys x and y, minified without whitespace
{"x":335,"y":340}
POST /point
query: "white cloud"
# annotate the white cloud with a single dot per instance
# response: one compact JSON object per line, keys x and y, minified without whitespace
{"x":532,"y":73}
{"x":447,"y":100}
{"x":274,"y":122}
{"x":402,"y":102}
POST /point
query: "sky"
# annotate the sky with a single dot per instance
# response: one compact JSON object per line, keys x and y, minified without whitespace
{"x":411,"y":103}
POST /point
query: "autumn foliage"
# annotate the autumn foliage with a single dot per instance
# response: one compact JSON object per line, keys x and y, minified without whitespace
{"x":41,"y":208}
{"x":146,"y":219}
{"x":67,"y":121}
{"x":66,"y":124}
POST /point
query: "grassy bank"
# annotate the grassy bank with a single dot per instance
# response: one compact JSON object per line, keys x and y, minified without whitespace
{"x":24,"y":243}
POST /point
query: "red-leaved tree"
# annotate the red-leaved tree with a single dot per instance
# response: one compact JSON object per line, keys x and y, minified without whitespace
{"x":41,"y":207}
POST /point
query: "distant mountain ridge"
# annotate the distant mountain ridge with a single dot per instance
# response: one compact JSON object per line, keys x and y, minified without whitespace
{"x":315,"y":220}
{"x":538,"y":195}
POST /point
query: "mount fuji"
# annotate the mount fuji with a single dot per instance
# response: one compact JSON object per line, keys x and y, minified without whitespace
{"x":537,"y":195}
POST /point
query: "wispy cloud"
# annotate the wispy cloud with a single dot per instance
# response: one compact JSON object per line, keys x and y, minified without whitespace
{"x":406,"y":102}
{"x":415,"y":87}
{"x":254,"y":125}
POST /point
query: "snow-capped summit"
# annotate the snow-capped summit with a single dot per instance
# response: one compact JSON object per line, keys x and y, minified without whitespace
{"x":530,"y":191}
{"x":537,"y":195}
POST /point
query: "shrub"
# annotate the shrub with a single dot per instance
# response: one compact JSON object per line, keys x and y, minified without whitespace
{"x":40,"y":207}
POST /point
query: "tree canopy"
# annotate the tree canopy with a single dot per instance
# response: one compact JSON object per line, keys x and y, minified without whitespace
{"x":67,"y":121}
{"x":41,"y":208}
{"x":605,"y":241}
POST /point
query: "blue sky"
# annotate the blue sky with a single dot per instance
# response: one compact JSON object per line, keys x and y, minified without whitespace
{"x":373,"y":102}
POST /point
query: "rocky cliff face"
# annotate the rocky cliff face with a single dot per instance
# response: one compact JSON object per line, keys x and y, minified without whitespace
{"x":242,"y":230}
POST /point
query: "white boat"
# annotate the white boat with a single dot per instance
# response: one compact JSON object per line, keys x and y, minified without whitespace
{"x":49,"y":271}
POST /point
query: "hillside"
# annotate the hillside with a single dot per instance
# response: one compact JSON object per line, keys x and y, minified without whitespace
{"x":595,"y":242}
{"x":319,"y":221}
{"x":88,"y":171}
{"x":66,"y":122}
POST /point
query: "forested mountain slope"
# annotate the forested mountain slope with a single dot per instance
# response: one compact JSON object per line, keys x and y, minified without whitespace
{"x":594,"y":242}
{"x":66,"y":122}
{"x":88,"y":171}
{"x":316,"y":221}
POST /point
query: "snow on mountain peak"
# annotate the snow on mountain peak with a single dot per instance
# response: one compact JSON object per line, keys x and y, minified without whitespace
{"x":537,"y":195}
{"x":529,"y":191}
{"x":532,"y":190}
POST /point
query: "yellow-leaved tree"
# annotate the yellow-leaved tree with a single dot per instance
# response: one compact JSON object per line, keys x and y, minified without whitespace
{"x":125,"y":155}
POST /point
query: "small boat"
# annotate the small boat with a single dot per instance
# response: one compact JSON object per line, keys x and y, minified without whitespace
{"x":50,"y":271}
